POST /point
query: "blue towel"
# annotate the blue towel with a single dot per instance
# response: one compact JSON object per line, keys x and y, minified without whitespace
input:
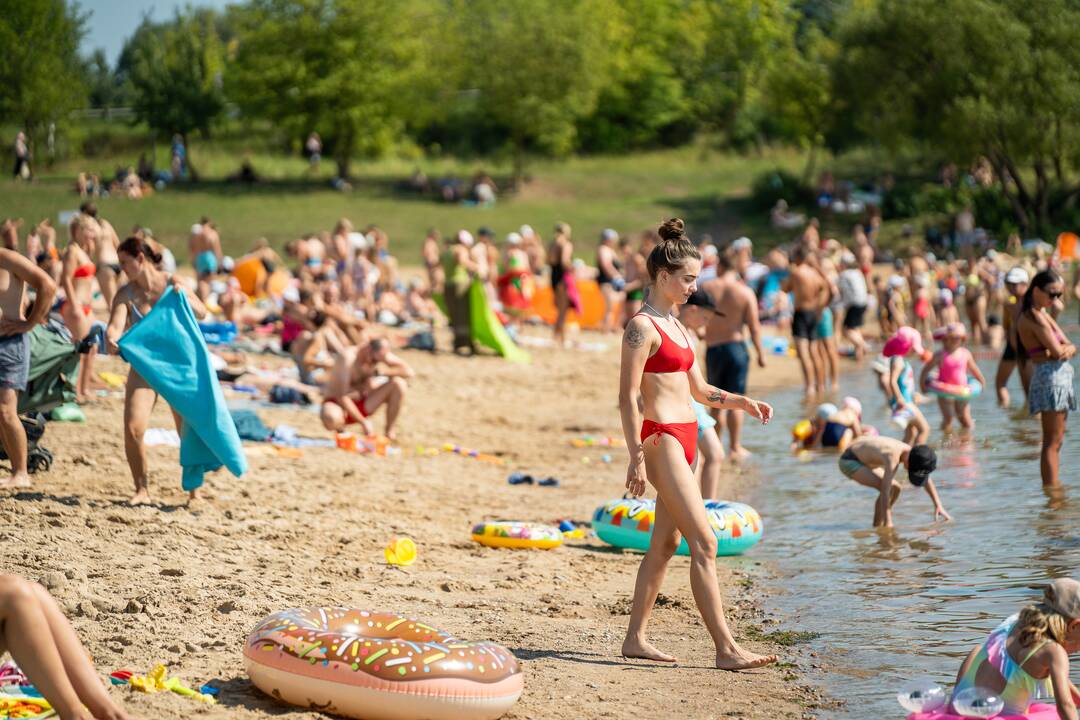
{"x":168,"y":350}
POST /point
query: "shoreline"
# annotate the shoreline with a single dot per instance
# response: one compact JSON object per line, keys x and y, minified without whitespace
{"x":183,"y":587}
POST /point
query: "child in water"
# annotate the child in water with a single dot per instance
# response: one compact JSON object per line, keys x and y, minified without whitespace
{"x":955,"y":365}
{"x":1027,"y":656}
{"x":900,"y":386}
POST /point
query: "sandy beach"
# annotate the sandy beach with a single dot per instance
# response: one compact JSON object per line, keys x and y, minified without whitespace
{"x":183,"y":587}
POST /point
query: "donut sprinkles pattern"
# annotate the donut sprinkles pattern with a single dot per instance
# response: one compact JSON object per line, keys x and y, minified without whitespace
{"x":386,"y":646}
{"x":517,"y":535}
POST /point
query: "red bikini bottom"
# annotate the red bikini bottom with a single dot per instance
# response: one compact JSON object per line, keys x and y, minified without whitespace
{"x":685,"y":433}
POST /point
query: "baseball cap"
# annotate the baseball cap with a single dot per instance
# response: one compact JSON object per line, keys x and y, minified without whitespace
{"x":609,"y":234}
{"x":743,"y":243}
{"x":701,"y":299}
{"x":1063,"y":596}
{"x":922,"y":460}
{"x":513,"y":239}
{"x":1016,"y":276}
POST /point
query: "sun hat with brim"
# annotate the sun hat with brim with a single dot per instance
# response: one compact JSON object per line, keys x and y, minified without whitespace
{"x":1063,"y":596}
{"x":904,"y":341}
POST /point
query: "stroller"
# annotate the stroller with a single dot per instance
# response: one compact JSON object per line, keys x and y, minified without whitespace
{"x":54,"y":363}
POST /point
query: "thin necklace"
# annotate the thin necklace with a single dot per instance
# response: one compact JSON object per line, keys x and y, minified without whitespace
{"x":668,"y":316}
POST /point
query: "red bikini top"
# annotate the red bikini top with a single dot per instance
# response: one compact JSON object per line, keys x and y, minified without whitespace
{"x":85,"y":271}
{"x":670,"y":356}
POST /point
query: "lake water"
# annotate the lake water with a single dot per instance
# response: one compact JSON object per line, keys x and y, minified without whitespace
{"x":894,"y":606}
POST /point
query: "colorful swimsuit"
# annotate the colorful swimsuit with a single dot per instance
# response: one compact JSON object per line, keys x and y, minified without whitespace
{"x":1021,"y":689}
{"x":671,"y":357}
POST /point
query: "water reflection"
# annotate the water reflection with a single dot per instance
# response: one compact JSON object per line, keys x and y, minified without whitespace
{"x":909,"y":602}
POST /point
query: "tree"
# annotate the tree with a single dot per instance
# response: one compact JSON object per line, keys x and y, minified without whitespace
{"x":103,"y":87}
{"x":40,"y":69}
{"x":972,"y":78}
{"x":798,"y":92}
{"x":350,"y":69}
{"x":175,"y":71}
{"x":536,"y":66}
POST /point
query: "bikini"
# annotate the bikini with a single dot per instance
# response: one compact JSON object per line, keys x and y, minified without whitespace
{"x":1021,"y":689}
{"x":1040,"y":350}
{"x":671,"y":357}
{"x":84,"y":271}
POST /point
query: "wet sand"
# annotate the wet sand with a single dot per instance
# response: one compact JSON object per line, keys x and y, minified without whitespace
{"x":183,"y":587}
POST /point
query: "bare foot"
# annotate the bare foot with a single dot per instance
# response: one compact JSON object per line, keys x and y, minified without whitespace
{"x":742,"y":660}
{"x":642,"y":650}
{"x":141,"y":497}
{"x":195,"y":498}
{"x":19,"y":480}
{"x":105,"y":709}
{"x":739,"y":454}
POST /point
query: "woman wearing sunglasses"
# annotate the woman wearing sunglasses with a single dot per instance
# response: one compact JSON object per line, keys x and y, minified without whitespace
{"x":1042,"y":343}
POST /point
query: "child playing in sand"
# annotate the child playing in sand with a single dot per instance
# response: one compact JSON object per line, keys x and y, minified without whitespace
{"x":1027,"y":656}
{"x":45,"y":646}
{"x":900,"y":387}
{"x":874,"y":462}
{"x":955,"y":364}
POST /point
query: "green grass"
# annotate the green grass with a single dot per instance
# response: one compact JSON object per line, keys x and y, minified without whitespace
{"x":629,"y":193}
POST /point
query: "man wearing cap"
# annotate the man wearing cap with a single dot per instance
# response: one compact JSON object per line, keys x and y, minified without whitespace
{"x":874,"y":462}
{"x":854,"y":296}
{"x":727,"y":361}
{"x":1016,"y":283}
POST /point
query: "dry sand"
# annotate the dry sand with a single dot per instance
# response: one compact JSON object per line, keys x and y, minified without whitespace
{"x":183,"y":587}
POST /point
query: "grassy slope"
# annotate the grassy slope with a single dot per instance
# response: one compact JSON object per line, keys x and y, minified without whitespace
{"x":629,"y":193}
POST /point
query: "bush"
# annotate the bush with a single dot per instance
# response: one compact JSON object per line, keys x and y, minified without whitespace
{"x":779,"y":185}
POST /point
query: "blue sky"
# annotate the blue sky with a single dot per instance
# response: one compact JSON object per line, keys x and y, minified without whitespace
{"x":113,"y":21}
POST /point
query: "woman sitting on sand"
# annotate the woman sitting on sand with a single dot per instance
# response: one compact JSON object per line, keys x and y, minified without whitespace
{"x":77,"y":280}
{"x":1027,"y":656}
{"x":43,"y":643}
{"x":658,"y":364}
{"x":146,"y":284}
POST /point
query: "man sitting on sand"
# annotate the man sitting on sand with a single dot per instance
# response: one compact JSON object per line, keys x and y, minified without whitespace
{"x":874,"y":462}
{"x":361,"y":381}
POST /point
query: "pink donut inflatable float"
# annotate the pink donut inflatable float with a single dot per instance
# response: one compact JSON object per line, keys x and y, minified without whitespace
{"x":379,"y":666}
{"x":1038,"y":711}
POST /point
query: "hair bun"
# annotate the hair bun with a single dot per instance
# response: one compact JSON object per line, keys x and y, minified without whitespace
{"x":672,"y":229}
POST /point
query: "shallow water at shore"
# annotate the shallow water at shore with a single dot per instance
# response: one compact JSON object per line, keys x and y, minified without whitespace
{"x":889,"y":607}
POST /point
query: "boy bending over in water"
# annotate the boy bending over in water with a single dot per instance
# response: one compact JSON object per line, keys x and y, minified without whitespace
{"x":42,"y":642}
{"x":874,"y":462}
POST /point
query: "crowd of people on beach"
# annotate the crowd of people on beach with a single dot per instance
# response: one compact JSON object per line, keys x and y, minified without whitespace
{"x":328,"y":303}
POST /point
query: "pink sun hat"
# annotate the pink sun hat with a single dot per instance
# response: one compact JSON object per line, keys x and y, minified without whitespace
{"x":904,"y":341}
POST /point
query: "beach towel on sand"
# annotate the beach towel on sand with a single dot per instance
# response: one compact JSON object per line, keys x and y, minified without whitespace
{"x":167,"y":348}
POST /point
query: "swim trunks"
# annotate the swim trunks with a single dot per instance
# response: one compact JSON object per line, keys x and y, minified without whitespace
{"x":349,"y":417}
{"x":636,"y":295}
{"x":14,"y":361}
{"x":206,"y":263}
{"x":849,"y":464}
{"x":824,"y":329}
{"x":727,"y":365}
{"x":853,"y":318}
{"x":803,"y":324}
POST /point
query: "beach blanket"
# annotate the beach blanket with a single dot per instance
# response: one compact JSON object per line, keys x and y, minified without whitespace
{"x":168,"y":350}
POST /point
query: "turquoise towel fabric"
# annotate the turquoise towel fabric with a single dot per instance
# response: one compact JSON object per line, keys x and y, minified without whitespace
{"x":167,"y":348}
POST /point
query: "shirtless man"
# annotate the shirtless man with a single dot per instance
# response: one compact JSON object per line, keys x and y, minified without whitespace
{"x":726,"y":360}
{"x":361,"y":381}
{"x":874,"y":462}
{"x":1016,"y":283}
{"x":108,"y":262}
{"x":811,"y":296}
{"x":205,"y":248}
{"x":16,"y":272}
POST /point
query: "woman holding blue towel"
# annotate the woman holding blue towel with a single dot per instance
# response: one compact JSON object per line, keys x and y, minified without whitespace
{"x":140,"y":260}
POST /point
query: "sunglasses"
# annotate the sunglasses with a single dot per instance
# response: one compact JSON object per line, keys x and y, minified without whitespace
{"x":1053,"y":295}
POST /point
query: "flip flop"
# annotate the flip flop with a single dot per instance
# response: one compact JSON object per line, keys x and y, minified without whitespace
{"x":520,"y":479}
{"x":548,"y":482}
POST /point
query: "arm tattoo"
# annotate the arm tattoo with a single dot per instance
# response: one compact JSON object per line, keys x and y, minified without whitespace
{"x":634,"y":337}
{"x":717,"y":396}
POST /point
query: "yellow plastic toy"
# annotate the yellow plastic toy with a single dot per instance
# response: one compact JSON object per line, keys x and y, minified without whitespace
{"x":802,"y":430}
{"x":157,"y":680}
{"x":401,"y":551}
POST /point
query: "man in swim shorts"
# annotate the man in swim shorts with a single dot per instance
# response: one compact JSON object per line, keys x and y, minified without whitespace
{"x":811,"y":293}
{"x":1016,"y":284}
{"x":205,"y":248}
{"x":16,"y":272}
{"x":727,"y":361}
{"x":874,"y":462}
{"x":362,"y":380}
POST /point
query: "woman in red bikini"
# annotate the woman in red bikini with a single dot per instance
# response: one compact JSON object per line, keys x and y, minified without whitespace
{"x":659,"y":369}
{"x":77,"y":280}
